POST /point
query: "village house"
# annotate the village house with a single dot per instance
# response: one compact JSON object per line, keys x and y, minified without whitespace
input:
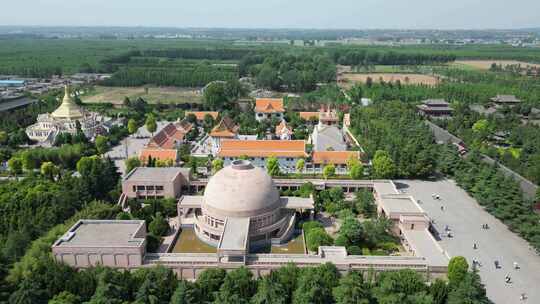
{"x":268,"y":108}
{"x":505,"y":100}
{"x":435,"y":108}
{"x":319,"y":159}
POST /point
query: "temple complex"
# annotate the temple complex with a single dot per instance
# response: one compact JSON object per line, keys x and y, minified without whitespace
{"x":67,"y":118}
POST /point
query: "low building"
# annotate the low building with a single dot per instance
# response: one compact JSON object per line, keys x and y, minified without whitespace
{"x":435,"y":108}
{"x":200,"y":115}
{"x":169,"y":156}
{"x":339,"y":159}
{"x":310,"y":117}
{"x":112,"y":243}
{"x":328,"y":117}
{"x":146,"y":182}
{"x":268,"y":108}
{"x":225,"y":129}
{"x":66,"y":119}
{"x":505,"y":100}
{"x":171,"y":136}
{"x":12,"y":83}
{"x":288,"y":152}
{"x":283,"y":131}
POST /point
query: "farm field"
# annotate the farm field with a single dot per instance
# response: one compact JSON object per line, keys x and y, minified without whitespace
{"x":166,"y":95}
{"x":486,"y":64}
{"x":348,"y":79}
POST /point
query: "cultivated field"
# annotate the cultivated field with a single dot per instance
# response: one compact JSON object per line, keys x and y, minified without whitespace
{"x":348,"y":79}
{"x":486,"y":64}
{"x":167,"y":95}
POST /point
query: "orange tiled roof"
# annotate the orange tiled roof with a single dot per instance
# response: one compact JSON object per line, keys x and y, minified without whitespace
{"x":333,"y":157}
{"x":201,"y":114}
{"x":309,"y":115}
{"x":170,"y":135}
{"x":269,"y":105}
{"x":161,"y":154}
{"x":263,"y":148}
{"x":225,"y":128}
{"x":283,"y":128}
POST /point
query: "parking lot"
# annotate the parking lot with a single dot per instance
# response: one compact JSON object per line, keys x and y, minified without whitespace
{"x":465,"y":218}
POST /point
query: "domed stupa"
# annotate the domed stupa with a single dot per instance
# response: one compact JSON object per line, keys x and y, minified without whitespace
{"x":65,"y":119}
{"x":241,"y":207}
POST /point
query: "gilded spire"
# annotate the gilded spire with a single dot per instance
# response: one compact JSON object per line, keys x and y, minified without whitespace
{"x":68,"y":109}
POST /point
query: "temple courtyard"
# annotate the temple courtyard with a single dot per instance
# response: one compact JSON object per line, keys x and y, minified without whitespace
{"x":465,"y":217}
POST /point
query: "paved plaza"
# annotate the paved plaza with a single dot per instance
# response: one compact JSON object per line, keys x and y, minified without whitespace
{"x":465,"y":218}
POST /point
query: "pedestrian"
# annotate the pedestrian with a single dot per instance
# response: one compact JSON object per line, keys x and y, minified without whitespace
{"x":475,"y":246}
{"x":442,"y":208}
{"x":516,"y":265}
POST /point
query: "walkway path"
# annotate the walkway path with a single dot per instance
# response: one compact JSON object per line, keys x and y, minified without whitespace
{"x":465,"y":217}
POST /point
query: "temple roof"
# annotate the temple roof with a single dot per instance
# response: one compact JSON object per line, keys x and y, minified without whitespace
{"x":67,"y":109}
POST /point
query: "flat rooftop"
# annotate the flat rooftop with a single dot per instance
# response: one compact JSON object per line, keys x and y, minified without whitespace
{"x":235,"y":234}
{"x":291,"y":202}
{"x":399,"y":203}
{"x":424,"y":245}
{"x":190,"y":201}
{"x":146,"y":174}
{"x":104,"y":233}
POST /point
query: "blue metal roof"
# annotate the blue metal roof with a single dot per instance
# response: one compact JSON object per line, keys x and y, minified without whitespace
{"x":12,"y":81}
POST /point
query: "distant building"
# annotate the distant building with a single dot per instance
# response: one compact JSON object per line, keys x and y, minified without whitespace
{"x":12,"y":83}
{"x":112,"y":243}
{"x":328,"y":117}
{"x":283,"y":131}
{"x":435,"y":108}
{"x":268,"y":108}
{"x":171,"y":136}
{"x":225,"y":129}
{"x":200,"y":115}
{"x":309,"y":116}
{"x":167,"y":155}
{"x":66,"y":119}
{"x":505,"y":100}
{"x":145,"y":182}
{"x":339,"y":159}
{"x":288,"y":152}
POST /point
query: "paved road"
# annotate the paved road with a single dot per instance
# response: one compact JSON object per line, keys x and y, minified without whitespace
{"x":465,"y":217}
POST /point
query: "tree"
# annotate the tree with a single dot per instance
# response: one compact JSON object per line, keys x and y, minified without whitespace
{"x":215,"y":96}
{"x":457,"y":269}
{"x":132,"y":163}
{"x":209,"y":281}
{"x":439,"y":291}
{"x":383,"y":165}
{"x":217,"y":164}
{"x":49,"y":170}
{"x":355,"y":94}
{"x":481,"y":127}
{"x":315,"y":285}
{"x":150,"y":123}
{"x":352,"y":230}
{"x":352,"y":289}
{"x":272,"y":166}
{"x":157,"y":286}
{"x":159,"y":225}
{"x":238,"y":287}
{"x":208,"y":123}
{"x":300,"y":164}
{"x":186,"y":293}
{"x":102,"y":144}
{"x":112,"y":288}
{"x":132,"y":126}
{"x":365,"y":203}
{"x":329,"y":171}
{"x":15,"y":166}
{"x":469,"y":291}
{"x":356,"y":170}
{"x":3,"y":137}
{"x":65,"y":297}
{"x":403,"y":286}
{"x":317,"y":237}
{"x":269,"y":291}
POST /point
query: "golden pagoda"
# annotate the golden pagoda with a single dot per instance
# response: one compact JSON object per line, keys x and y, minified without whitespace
{"x":68,"y":109}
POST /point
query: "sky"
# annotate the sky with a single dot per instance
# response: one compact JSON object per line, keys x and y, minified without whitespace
{"x":327,"y":14}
